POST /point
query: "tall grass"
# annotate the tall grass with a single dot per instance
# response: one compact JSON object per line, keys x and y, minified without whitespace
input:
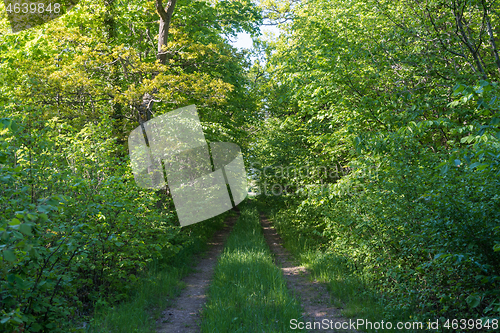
{"x":349,"y":289}
{"x":156,"y":289}
{"x":248,"y":292}
{"x":153,"y":295}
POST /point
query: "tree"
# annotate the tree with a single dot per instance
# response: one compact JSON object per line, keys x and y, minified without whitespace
{"x":165,"y":18}
{"x":75,"y":87}
{"x":399,"y":100}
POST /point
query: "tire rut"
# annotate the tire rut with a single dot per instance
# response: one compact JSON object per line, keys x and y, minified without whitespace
{"x":184,"y":315}
{"x":313,"y":295}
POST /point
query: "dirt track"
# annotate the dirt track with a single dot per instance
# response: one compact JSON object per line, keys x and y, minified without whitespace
{"x":184,"y":315}
{"x":312,"y":295}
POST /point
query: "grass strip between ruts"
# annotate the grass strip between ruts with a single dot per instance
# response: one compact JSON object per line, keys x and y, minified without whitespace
{"x":248,"y":292}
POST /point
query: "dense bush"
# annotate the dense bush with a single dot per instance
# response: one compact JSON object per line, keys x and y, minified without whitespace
{"x":400,"y":104}
{"x":64,"y":254}
{"x":75,"y":231}
{"x":421,"y":226}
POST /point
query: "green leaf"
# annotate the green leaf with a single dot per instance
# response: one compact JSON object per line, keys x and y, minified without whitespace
{"x":458,"y":89}
{"x":5,"y":122}
{"x":482,"y":167}
{"x":36,"y":327}
{"x":444,"y":169}
{"x":484,"y":83}
{"x":475,"y":165}
{"x":33,"y":253}
{"x":9,"y":255}
{"x":13,"y":126}
{"x":473,"y":301}
{"x":14,"y":222}
{"x":25,"y":229}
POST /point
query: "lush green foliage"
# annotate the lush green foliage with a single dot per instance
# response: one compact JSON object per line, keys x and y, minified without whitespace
{"x":153,"y":292}
{"x":76,"y":233}
{"x":87,"y":246}
{"x":383,"y":130}
{"x":376,"y":120}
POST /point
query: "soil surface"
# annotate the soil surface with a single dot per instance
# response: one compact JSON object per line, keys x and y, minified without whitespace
{"x":312,"y":295}
{"x":184,"y":315}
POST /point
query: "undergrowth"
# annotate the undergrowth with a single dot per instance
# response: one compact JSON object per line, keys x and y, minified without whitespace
{"x":156,"y":290}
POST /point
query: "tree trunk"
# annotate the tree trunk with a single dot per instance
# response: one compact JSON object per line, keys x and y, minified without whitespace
{"x":146,"y":105}
{"x":492,"y":42}
{"x":165,"y":18}
{"x":117,"y":111}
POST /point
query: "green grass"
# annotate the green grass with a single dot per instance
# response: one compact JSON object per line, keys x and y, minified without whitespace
{"x":155,"y":291}
{"x":349,"y":290}
{"x":248,"y":292}
{"x":153,"y":295}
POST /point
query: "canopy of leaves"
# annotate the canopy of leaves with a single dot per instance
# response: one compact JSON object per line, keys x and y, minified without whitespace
{"x":73,"y":225}
{"x":382,"y":134}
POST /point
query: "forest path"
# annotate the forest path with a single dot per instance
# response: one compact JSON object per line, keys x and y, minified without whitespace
{"x":312,"y":295}
{"x":184,"y":315}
